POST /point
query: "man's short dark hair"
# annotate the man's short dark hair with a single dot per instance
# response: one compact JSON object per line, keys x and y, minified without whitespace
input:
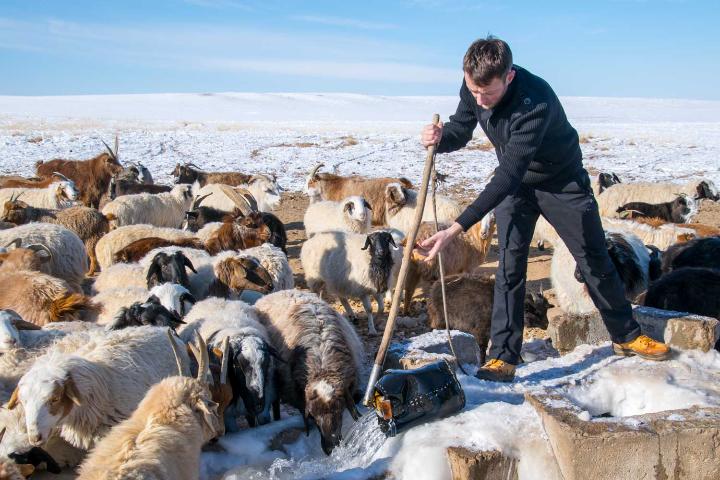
{"x":487,"y":59}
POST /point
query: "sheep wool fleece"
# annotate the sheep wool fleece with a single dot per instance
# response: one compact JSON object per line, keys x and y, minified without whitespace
{"x":540,"y":173}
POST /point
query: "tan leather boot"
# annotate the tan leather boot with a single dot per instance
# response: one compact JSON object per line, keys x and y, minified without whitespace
{"x":496,"y":370}
{"x":643,"y":346}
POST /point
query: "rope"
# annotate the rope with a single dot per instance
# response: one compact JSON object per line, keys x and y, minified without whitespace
{"x":434,"y":181}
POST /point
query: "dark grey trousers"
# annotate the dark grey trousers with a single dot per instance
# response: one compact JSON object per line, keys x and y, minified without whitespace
{"x":573,"y":212}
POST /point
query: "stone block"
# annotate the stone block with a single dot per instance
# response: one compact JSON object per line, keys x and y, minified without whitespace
{"x":467,"y":464}
{"x":678,"y":444}
{"x":420,"y":350}
{"x":679,"y":330}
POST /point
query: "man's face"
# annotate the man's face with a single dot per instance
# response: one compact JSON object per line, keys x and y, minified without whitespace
{"x":487,"y":96}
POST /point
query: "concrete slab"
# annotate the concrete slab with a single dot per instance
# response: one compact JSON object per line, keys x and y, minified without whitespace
{"x":466,"y":464}
{"x":417,"y":351}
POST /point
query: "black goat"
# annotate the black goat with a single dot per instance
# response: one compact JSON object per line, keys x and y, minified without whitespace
{"x":707,"y":189}
{"x":152,"y":312}
{"x":278,"y":235}
{"x":381,"y":260}
{"x":689,"y":289}
{"x":677,"y":211}
{"x":699,"y":252}
{"x":606,"y":180}
{"x":169,"y":268}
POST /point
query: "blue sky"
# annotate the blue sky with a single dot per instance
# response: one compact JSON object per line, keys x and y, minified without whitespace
{"x":615,"y":48}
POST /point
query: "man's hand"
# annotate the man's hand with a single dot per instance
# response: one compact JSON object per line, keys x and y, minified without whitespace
{"x":431,"y":135}
{"x":430,"y":247}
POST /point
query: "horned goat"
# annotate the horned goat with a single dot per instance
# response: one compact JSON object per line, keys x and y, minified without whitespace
{"x":401,"y":202}
{"x":617,"y":195}
{"x":264,"y":189}
{"x":680,"y":210}
{"x":352,"y":265}
{"x":56,"y":195}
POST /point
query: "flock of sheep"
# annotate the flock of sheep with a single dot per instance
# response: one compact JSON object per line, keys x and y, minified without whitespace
{"x":139,"y":322}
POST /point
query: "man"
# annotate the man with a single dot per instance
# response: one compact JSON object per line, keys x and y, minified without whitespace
{"x":540,"y":172}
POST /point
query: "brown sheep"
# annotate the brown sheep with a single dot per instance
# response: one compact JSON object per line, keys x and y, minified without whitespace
{"x":246,"y":232}
{"x":135,"y":251}
{"x":190,"y":173}
{"x":326,"y":186}
{"x":470,"y":304}
{"x":91,"y":177}
{"x":39,"y":298}
{"x":13,"y":181}
{"x":463,"y":254}
{"x":89,"y":224}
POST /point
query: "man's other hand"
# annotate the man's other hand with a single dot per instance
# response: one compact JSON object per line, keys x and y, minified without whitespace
{"x":431,"y":135}
{"x":430,"y":247}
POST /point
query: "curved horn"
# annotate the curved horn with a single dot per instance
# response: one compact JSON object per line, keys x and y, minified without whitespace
{"x":175,"y":350}
{"x":14,"y":243}
{"x":117,"y":146}
{"x":198,"y":200}
{"x":37,"y":247}
{"x":225,"y":361}
{"x":314,"y":171}
{"x":203,"y":360}
{"x":112,"y":154}
{"x":61,"y":176}
{"x":240,"y":199}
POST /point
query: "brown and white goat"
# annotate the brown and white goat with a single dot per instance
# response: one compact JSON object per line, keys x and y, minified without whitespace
{"x":89,"y":224}
{"x":21,"y":182}
{"x":91,"y":177}
{"x":321,"y":359}
{"x":163,"y":436}
{"x":327,"y":186}
{"x":463,"y":254}
{"x":39,"y":298}
{"x":233,"y":275}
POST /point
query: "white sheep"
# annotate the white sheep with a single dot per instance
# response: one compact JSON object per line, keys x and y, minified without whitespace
{"x":264,"y":189}
{"x":352,"y":265}
{"x":352,"y":214}
{"x":165,"y":209}
{"x":401,"y":202}
{"x":272,"y":259}
{"x":68,"y":260}
{"x":117,"y":239}
{"x":16,"y":333}
{"x":621,"y":194}
{"x":59,"y":194}
{"x":630,"y":256}
{"x":83,"y":393}
{"x":661,"y":236}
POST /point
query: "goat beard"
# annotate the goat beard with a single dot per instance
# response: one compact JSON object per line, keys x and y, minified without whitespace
{"x":380,"y":271}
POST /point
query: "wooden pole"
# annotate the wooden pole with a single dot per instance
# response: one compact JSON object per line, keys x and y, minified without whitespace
{"x":402,"y":275}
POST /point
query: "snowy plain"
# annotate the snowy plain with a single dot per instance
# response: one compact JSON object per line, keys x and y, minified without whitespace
{"x":286,"y":134}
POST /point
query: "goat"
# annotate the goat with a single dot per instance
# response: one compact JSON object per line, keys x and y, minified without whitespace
{"x":278,"y":235}
{"x":464,"y":253}
{"x":252,"y":364}
{"x":679,"y":210}
{"x":89,"y":224}
{"x":629,"y":256}
{"x":262,"y":189}
{"x":120,"y":238}
{"x":56,"y":195}
{"x":91,"y":177}
{"x":163,"y":436}
{"x":68,"y":257}
{"x":604,"y":181}
{"x":327,"y":186}
{"x":176,"y":298}
{"x":321,"y":356}
{"x":400,"y":205}
{"x":700,"y":252}
{"x":352,"y":265}
{"x":191,"y":173}
{"x":687,"y":289}
{"x":246,"y":232}
{"x":139,"y":248}
{"x":234,"y":275}
{"x":151,"y":312}
{"x":120,"y":187}
{"x":623,"y":193}
{"x":470,"y":303}
{"x":84,"y":392}
{"x":169,"y":268}
{"x":275,"y":262}
{"x":21,"y":182}
{"x":162,"y":210}
{"x":352,"y":214}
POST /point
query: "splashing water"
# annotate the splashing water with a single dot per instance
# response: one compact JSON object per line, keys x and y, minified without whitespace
{"x":362,"y":442}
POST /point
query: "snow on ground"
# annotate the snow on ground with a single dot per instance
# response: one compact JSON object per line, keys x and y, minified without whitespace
{"x":640,"y":139}
{"x":286,"y":134}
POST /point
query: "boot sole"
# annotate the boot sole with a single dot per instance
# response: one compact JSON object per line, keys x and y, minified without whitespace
{"x":627,"y":352}
{"x":496,"y":379}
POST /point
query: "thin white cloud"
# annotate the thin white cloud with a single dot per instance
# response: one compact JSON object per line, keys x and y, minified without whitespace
{"x":193,"y":47}
{"x":345,"y":22}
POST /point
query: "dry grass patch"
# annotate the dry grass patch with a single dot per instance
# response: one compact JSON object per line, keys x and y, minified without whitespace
{"x":35,"y":140}
{"x":586,"y":138}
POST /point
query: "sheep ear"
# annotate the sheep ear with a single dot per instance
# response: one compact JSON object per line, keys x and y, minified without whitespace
{"x":153,"y":271}
{"x":21,"y":324}
{"x":14,"y":399}
{"x":72,"y":392}
{"x":367,"y":205}
{"x":367,"y":243}
{"x":616,"y":178}
{"x":14,"y":244}
{"x":42,"y":251}
{"x":189,"y":265}
{"x":350,"y":403}
{"x":348,"y":207}
{"x":392,"y":242}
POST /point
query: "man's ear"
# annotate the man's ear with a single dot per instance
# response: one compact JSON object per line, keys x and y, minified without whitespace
{"x":510,"y":76}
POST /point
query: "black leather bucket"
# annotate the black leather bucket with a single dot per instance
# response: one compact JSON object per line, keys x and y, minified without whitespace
{"x":405,"y":398}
